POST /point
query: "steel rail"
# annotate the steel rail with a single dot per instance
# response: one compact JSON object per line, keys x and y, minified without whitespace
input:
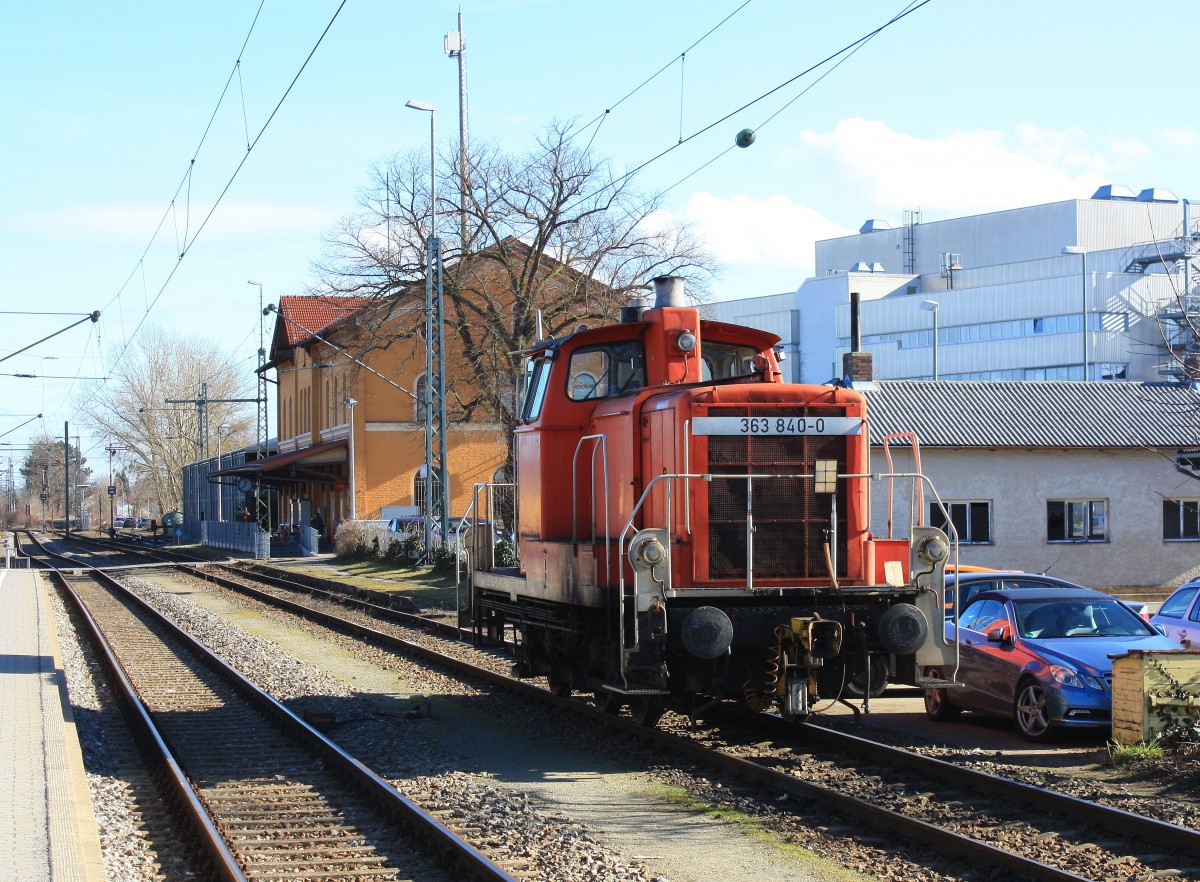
{"x":259,"y":572}
{"x":472,"y":862}
{"x":1113,"y":819}
{"x":157,"y":752}
{"x":974,"y":850}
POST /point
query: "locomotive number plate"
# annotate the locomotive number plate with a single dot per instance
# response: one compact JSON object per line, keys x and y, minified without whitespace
{"x":781,"y":425}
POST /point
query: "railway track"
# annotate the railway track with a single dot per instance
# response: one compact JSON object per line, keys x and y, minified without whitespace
{"x":988,"y":821}
{"x":269,"y":797}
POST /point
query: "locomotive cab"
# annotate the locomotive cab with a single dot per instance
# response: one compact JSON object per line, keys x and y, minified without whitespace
{"x":690,"y":526}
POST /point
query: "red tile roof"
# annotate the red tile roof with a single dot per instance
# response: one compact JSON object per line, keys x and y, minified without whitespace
{"x":316,"y":313}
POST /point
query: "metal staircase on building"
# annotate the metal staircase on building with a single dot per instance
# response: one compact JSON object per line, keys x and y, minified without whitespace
{"x":1179,"y":319}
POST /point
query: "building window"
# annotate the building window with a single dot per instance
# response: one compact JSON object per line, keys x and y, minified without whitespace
{"x":1181,"y":519}
{"x":972,"y":521}
{"x":420,"y":489}
{"x":1077,"y":520}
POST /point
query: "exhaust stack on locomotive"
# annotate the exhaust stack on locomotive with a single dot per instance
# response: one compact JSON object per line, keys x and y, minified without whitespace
{"x":692,"y":527}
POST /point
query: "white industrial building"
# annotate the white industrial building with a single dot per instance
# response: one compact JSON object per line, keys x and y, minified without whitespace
{"x":1009,"y":294}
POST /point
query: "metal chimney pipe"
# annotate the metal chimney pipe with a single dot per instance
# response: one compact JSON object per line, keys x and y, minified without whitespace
{"x":668,"y":291}
{"x":855,"y":333}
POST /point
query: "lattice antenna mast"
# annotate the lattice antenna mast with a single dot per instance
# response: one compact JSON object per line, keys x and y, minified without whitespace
{"x":435,"y":505}
{"x":262,"y":511}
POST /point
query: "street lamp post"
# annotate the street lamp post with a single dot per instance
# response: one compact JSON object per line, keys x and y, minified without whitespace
{"x":436,"y":472}
{"x":350,"y":402}
{"x":933,"y":306}
{"x":1077,"y":249}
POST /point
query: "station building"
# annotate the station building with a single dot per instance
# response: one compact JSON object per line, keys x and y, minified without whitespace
{"x":351,"y":396}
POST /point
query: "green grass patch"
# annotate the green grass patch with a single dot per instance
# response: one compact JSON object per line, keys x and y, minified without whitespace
{"x":428,"y":589}
{"x":1123,"y":754}
{"x":752,"y":827}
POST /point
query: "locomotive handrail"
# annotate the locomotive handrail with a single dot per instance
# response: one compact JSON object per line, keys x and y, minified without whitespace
{"x":887,"y":454}
{"x":687,"y":497}
{"x":488,"y":519}
{"x":918,"y":477}
{"x":461,"y":523}
{"x":602,"y":446}
{"x":670,"y":558}
{"x":952,"y":533}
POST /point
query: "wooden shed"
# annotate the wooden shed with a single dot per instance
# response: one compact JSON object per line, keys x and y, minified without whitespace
{"x":1151,"y":690}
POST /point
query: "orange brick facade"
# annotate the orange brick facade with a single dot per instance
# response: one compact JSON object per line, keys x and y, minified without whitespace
{"x":314,"y":380}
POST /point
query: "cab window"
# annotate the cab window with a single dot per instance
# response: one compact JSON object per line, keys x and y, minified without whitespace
{"x":725,"y":360}
{"x":610,"y":369}
{"x":535,"y":391}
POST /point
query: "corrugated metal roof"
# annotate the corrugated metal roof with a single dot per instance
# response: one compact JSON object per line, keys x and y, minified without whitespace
{"x":1036,"y":414}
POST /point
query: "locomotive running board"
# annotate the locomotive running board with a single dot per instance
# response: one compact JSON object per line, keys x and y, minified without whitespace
{"x":929,"y":683}
{"x":632,"y":690}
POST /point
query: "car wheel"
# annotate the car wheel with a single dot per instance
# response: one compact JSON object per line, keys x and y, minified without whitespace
{"x":937,"y":705}
{"x":879,"y":679}
{"x":1030,"y":714}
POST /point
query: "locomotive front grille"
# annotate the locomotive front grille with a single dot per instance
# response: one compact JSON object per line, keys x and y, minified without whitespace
{"x":791,"y":522}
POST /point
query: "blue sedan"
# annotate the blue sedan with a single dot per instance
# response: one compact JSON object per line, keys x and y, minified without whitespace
{"x":1041,"y":656}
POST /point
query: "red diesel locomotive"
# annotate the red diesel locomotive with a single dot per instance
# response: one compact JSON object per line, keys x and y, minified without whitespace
{"x":691,"y":528}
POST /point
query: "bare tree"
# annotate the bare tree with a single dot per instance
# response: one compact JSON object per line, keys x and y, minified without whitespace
{"x":131,"y":413}
{"x":42,"y":472}
{"x":552,"y":233}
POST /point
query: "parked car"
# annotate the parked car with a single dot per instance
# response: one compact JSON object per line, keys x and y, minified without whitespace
{"x":1042,"y":656}
{"x":118,"y":522}
{"x":1179,"y":616}
{"x":970,"y":584}
{"x":142,"y":523}
{"x":970,"y":581}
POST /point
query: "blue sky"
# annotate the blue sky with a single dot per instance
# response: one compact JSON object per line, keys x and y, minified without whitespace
{"x":964,"y":106}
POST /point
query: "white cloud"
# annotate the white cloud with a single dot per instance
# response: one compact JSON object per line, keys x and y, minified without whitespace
{"x":831,"y":181}
{"x":868,"y":164}
{"x":964,"y":172}
{"x":774,"y":231}
{"x":1179,"y":137}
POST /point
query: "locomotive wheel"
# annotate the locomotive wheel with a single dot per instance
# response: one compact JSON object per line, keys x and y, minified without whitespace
{"x":559,"y":682}
{"x":879,"y":679}
{"x":607,"y":702}
{"x":647,"y":709}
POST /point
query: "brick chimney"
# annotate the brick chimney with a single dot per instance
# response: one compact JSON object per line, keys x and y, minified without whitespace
{"x":857,"y":367}
{"x":856,"y":364}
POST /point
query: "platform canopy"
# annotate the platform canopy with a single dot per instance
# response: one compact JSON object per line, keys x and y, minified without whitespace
{"x":308,"y":465}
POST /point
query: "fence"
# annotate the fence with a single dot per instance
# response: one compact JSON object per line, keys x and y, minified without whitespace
{"x":237,"y":536}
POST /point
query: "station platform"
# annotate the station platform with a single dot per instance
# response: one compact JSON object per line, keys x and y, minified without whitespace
{"x":47,"y":826}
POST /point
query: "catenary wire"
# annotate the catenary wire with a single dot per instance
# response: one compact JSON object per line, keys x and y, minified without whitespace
{"x":220,"y":197}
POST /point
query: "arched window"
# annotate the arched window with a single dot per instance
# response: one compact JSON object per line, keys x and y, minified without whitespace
{"x":420,"y":487}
